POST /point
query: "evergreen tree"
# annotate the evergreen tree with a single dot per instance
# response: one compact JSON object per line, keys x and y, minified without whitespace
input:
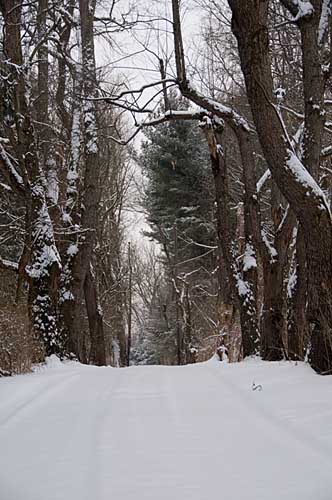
{"x":179,"y":200}
{"x":179,"y":192}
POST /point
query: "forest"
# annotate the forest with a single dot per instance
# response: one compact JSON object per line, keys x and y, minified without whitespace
{"x":220,"y":146}
{"x":165,"y":249}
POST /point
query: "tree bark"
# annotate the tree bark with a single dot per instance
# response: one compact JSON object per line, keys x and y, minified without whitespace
{"x":249,"y":24}
{"x":40,"y":261}
{"x":78,"y":282}
{"x":95,"y":317}
{"x":91,"y":189}
{"x":243,"y":282}
{"x":297,"y":328}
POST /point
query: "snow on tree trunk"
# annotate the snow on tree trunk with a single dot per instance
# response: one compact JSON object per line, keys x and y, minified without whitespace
{"x":40,"y":260}
{"x":71,"y":282}
{"x":91,"y":189}
{"x":297,"y":289}
{"x":304,"y":196}
{"x":243,"y":282}
{"x":47,"y":151}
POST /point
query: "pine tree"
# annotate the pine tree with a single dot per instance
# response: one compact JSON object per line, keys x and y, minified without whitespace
{"x":179,"y":200}
{"x":180,"y":192}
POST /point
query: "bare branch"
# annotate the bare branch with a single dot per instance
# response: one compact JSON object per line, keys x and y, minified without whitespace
{"x":8,"y":265}
{"x":10,"y":171}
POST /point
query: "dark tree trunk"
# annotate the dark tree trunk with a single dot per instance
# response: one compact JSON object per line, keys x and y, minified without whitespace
{"x":82,"y":283}
{"x":249,"y":24}
{"x":273,"y":320}
{"x":95,"y":317}
{"x":243,"y":282}
{"x":274,"y":316}
{"x":40,"y":262}
{"x":297,"y":328}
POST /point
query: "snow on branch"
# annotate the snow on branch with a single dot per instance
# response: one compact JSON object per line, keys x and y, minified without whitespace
{"x":302,"y":176}
{"x":299,"y":8}
{"x":272,"y":252}
{"x":304,"y":9}
{"x":10,"y":170}
{"x":206,"y":105}
{"x":264,"y":178}
{"x":327,"y":151}
{"x":8,"y":265}
{"x":324,"y":21}
{"x":226,"y":113}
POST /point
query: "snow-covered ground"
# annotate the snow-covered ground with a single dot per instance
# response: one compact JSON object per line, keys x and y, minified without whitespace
{"x":200,"y":432}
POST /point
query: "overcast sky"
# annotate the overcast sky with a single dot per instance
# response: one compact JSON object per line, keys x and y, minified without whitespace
{"x":133,"y":59}
{"x":134,"y":55}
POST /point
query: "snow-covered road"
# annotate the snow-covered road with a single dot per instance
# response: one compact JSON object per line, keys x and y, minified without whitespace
{"x":73,"y":432}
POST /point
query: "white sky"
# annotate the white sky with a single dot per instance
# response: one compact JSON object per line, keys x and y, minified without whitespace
{"x":134,"y":55}
{"x":133,"y":60}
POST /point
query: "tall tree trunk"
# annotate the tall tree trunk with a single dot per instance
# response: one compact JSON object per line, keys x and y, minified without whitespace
{"x":129,"y":305}
{"x":95,"y":317}
{"x":78,"y":281}
{"x":243,"y":282}
{"x":46,"y":146}
{"x":297,"y":328}
{"x":249,"y":24}
{"x":40,"y":260}
{"x":91,"y":189}
{"x":73,"y":274}
{"x":273,"y":320}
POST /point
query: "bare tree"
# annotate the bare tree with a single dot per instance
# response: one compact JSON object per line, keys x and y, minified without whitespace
{"x":40,"y":261}
{"x":293,"y":176}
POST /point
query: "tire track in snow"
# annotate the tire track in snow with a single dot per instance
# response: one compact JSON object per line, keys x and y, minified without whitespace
{"x":156,"y":433}
{"x":243,"y":431}
{"x":97,"y":438}
{"x":137,"y":401}
{"x":261,"y":411}
{"x":73,"y":418}
{"x":40,"y":397}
